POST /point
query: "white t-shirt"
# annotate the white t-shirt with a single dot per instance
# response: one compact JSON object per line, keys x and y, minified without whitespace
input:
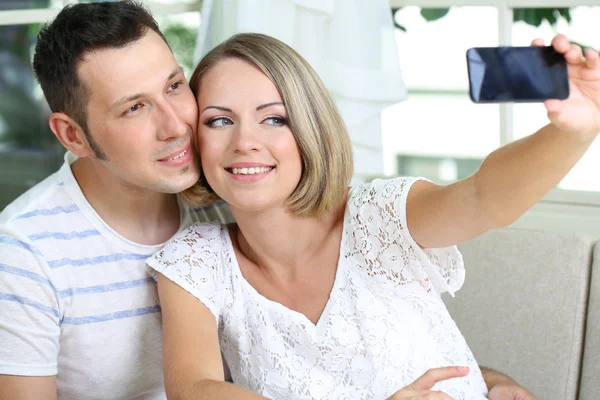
{"x":384,"y":324}
{"x":76,"y":299}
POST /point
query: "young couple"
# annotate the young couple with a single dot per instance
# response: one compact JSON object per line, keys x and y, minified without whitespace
{"x":316,"y":291}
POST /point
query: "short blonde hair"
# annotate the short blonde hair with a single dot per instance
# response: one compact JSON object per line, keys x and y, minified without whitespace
{"x":317,"y":126}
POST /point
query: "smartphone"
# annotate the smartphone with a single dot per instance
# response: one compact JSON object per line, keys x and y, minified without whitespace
{"x":516,"y":74}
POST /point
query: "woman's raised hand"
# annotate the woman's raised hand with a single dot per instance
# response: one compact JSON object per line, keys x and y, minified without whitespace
{"x":580,"y":113}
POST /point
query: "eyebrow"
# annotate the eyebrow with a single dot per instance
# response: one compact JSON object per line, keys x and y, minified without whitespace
{"x":274,"y":103}
{"x":262,"y":106}
{"x":136,"y":96}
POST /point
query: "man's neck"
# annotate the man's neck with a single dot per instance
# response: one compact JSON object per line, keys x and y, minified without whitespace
{"x":142,"y":216}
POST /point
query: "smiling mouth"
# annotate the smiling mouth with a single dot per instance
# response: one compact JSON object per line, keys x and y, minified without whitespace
{"x":249,"y":171}
{"x":178,"y":156}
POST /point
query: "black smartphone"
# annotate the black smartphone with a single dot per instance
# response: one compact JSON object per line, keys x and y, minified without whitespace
{"x":516,"y":74}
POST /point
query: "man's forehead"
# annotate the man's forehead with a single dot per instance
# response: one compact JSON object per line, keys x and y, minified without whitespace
{"x":138,"y":67}
{"x":147,"y":45}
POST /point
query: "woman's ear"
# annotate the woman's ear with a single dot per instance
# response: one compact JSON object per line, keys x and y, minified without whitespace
{"x":70,"y":134}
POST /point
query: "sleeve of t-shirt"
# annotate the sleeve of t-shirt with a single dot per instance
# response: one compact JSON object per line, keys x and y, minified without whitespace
{"x":193,"y":260}
{"x":29,"y":310}
{"x":443,"y":266}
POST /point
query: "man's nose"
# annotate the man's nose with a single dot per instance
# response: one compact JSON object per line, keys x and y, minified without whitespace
{"x":172,"y":125}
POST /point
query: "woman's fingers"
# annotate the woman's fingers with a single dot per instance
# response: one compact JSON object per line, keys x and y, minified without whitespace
{"x":435,"y":375}
{"x":592,"y":58}
{"x":574,"y":55}
{"x":561,"y":44}
{"x":537,"y":42}
{"x":420,"y":388}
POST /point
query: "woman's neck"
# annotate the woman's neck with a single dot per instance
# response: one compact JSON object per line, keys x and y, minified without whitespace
{"x":279,"y":241}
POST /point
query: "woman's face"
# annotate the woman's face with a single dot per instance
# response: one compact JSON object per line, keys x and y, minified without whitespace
{"x":248,"y":152}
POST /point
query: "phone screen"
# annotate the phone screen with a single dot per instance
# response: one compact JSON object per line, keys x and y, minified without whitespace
{"x":516,"y":74}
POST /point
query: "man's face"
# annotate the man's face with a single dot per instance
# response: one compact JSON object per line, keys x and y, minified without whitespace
{"x":141,"y":115}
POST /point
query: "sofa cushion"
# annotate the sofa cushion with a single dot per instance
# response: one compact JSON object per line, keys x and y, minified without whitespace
{"x":590,"y":374}
{"x":522,"y":307}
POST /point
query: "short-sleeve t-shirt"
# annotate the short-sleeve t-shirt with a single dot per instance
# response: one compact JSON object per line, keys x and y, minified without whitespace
{"x":383,"y":326}
{"x":76,"y":298}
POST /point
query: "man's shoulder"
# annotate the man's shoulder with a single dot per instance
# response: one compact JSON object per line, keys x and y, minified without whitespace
{"x":37,"y":200}
{"x":46,"y":207}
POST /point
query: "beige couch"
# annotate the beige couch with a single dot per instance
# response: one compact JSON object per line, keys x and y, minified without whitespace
{"x":530,"y":307}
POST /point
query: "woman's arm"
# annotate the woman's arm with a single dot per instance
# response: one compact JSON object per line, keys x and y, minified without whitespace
{"x":509,"y":181}
{"x":514,"y":177}
{"x":193,"y":366}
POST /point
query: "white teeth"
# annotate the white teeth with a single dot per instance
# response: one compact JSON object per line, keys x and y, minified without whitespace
{"x":178,"y":156}
{"x":251,"y":170}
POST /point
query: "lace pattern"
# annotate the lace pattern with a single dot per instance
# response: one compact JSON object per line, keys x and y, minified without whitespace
{"x":378,"y":214}
{"x":193,"y":259}
{"x":383,"y":326}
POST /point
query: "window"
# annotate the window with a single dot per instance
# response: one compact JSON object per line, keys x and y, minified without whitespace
{"x":437,"y":131}
{"x":447,"y":143}
{"x":528,"y":117}
{"x":181,"y":30}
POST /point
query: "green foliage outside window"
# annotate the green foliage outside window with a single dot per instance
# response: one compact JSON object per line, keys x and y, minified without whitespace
{"x":182,"y":41}
{"x":531,"y":16}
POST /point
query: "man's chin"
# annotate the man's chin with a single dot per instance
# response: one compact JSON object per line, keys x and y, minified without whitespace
{"x":178,"y":184}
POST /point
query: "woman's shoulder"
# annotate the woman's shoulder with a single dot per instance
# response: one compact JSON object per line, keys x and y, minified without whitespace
{"x":380,"y":191}
{"x":202,"y":241}
{"x":380,"y":239}
{"x":200,"y":232}
{"x":195,"y":260}
{"x":201,"y":229}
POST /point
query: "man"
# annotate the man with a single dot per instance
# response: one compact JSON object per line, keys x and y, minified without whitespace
{"x":79,"y":314}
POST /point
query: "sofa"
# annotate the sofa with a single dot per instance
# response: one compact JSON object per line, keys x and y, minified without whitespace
{"x":530,"y":308}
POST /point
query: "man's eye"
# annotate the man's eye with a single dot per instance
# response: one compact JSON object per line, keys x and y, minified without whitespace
{"x":218,"y":122}
{"x":133,"y":108}
{"x":276,"y":121}
{"x":175,"y":85}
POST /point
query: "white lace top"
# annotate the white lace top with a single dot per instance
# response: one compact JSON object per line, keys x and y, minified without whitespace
{"x":383,"y":326}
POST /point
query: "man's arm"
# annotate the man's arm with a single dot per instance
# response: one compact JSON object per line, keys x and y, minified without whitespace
{"x":29,"y":321}
{"x":27,"y":387}
{"x":501,"y":387}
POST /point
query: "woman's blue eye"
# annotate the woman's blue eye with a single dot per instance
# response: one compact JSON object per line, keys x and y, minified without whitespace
{"x":218,"y":122}
{"x":277,"y":121}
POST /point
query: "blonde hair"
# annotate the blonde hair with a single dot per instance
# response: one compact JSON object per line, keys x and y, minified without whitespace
{"x":317,"y":126}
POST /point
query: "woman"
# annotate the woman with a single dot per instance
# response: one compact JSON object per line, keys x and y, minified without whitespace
{"x":320,"y":291}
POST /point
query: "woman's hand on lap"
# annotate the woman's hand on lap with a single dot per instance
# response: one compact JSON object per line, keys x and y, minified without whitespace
{"x":420,"y":389}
